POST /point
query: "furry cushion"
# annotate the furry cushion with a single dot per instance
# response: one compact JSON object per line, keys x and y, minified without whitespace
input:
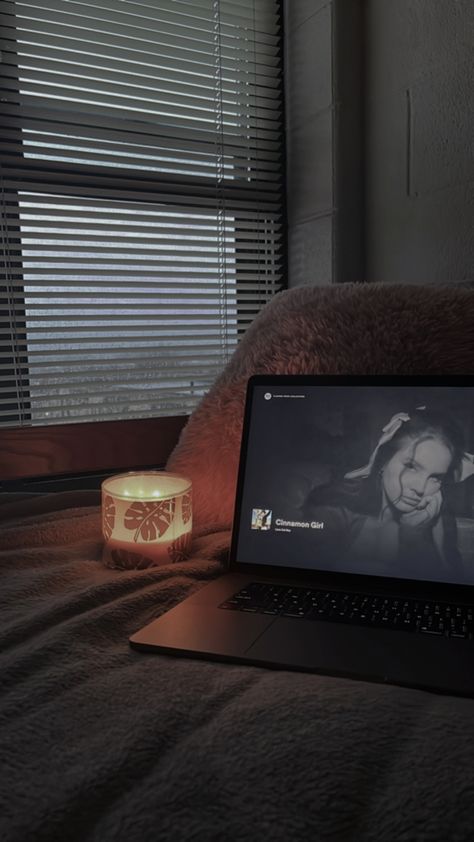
{"x":343,"y":329}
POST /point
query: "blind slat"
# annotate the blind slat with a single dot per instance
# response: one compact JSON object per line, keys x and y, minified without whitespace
{"x":137,"y":363}
{"x":164,"y":18}
{"x":142,"y":218}
{"x":232,"y":88}
{"x":198,"y":263}
{"x":177,"y":400}
{"x":104,"y":275}
{"x":114,"y":131}
{"x":89,"y":300}
{"x":265,"y":17}
{"x":144,"y":91}
{"x":95,"y":111}
{"x":88,"y":380}
{"x":263,"y":92}
{"x":108,"y":336}
{"x":137,"y":291}
{"x":237,"y":198}
{"x":191,"y":37}
{"x":63,"y":117}
{"x":237,"y":173}
{"x":153,"y":248}
{"x":89,"y":206}
{"x":48,"y":35}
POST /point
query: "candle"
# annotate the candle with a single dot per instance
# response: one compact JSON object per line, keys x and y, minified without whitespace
{"x":146,"y":519}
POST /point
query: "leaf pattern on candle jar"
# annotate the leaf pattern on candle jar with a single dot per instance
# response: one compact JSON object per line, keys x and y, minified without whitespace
{"x":179,"y":549}
{"x":150,"y":520}
{"x":187,"y":508}
{"x":108,"y":520}
{"x":126,"y":560}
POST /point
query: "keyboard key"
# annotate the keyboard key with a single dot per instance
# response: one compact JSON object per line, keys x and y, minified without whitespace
{"x":359,"y":609}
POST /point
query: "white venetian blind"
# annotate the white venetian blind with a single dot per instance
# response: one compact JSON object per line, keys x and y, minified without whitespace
{"x":141,"y":152}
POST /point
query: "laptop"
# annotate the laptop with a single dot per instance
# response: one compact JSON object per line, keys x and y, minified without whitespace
{"x":352,"y":548}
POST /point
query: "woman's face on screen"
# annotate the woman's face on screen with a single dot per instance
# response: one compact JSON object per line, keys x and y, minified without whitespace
{"x":415,"y":471}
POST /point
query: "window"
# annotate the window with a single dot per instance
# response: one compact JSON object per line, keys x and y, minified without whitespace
{"x":141,"y":200}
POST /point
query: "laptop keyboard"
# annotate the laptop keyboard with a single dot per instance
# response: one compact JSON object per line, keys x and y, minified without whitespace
{"x":434,"y":618}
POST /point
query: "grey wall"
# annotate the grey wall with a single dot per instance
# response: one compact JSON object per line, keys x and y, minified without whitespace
{"x":309,"y":121}
{"x":420,"y":140}
{"x":406,"y":213}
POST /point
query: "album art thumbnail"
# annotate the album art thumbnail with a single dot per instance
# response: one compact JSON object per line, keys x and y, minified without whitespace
{"x":261,"y":519}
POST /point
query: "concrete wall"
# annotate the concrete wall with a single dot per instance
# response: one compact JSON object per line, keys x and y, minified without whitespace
{"x":309,"y":121}
{"x":380,"y":178}
{"x":420,"y":140}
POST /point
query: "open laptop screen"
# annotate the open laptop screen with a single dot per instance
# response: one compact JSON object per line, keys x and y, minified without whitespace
{"x":369,"y":479}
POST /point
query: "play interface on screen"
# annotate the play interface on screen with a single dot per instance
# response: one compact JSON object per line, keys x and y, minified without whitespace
{"x":361,"y":479}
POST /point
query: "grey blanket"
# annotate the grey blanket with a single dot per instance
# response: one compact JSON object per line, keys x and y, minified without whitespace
{"x":99,"y":742}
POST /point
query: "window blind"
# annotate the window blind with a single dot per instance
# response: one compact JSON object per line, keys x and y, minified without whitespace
{"x":141,"y":178}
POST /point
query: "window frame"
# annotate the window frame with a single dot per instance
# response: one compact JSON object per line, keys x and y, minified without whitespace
{"x":74,"y":449}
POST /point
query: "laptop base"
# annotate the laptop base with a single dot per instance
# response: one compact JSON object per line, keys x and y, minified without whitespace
{"x":197,"y":628}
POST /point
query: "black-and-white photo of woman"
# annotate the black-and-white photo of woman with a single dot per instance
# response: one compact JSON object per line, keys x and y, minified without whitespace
{"x":391,"y":516}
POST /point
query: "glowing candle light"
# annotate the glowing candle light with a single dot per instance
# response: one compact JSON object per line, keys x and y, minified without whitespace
{"x":146,"y":519}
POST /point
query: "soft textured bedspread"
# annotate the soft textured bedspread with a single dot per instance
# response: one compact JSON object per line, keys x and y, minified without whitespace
{"x":99,"y":742}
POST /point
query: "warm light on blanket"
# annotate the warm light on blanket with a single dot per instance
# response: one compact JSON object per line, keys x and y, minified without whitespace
{"x":146,"y":519}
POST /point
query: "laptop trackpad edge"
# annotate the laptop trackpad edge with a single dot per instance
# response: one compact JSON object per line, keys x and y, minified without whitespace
{"x":361,"y":652}
{"x":190,"y":628}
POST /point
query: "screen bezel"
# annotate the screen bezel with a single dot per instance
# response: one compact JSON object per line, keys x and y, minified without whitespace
{"x":441,"y":591}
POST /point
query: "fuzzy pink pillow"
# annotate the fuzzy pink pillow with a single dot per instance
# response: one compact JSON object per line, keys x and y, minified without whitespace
{"x":340,"y":329}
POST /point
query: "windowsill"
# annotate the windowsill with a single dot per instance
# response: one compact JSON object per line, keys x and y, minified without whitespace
{"x":84,"y":452}
{"x":67,"y":482}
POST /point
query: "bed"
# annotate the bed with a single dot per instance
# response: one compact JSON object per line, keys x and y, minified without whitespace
{"x":100,"y":742}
